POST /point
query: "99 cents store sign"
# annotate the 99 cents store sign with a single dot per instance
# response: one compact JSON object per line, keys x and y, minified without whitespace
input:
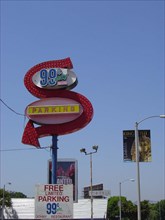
{"x":58,"y":110}
{"x":54,"y":202}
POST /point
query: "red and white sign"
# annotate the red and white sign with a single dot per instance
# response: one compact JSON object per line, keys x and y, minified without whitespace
{"x":54,"y":110}
{"x":59,"y":110}
{"x":54,"y":201}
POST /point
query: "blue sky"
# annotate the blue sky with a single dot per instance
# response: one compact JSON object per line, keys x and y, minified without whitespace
{"x":117,"y":50}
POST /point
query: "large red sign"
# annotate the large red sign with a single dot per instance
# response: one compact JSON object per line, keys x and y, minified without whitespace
{"x":59,"y":111}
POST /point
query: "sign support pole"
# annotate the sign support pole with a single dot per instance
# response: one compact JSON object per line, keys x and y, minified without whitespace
{"x":54,"y":159}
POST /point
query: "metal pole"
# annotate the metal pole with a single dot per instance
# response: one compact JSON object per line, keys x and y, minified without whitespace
{"x":137,"y":160}
{"x":95,"y":147}
{"x":120,"y":200}
{"x":160,"y":212}
{"x":3,"y":202}
{"x":138,"y":171}
{"x":54,"y":159}
{"x":91,"y":186}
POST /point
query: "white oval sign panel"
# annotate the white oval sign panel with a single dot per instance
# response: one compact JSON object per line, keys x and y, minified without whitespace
{"x":55,"y":78}
{"x":54,"y":110}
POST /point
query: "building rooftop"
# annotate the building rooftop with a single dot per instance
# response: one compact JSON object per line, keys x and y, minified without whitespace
{"x":24,"y":209}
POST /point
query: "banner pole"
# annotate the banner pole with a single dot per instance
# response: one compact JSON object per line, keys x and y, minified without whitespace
{"x":54,"y":159}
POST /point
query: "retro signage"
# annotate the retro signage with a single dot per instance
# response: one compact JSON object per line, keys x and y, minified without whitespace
{"x":54,"y":110}
{"x":58,"y":111}
{"x":54,"y":201}
{"x":44,"y":79}
{"x":63,"y":123}
{"x":55,"y":78}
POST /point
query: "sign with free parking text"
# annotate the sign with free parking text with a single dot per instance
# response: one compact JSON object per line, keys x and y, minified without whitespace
{"x":54,"y":201}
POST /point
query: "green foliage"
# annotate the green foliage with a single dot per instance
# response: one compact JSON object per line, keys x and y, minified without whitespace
{"x":153,"y":215}
{"x":149,"y":211}
{"x":17,"y":195}
{"x":160,"y":206}
{"x":128,"y":209}
{"x":145,"y":210}
{"x":113,"y":209}
{"x":157,"y":211}
{"x":8,"y":195}
{"x":7,"y":198}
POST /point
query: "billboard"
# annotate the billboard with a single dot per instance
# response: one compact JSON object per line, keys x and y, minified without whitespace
{"x":54,"y":201}
{"x":129,"y":150}
{"x":87,"y":190}
{"x":67,"y":173}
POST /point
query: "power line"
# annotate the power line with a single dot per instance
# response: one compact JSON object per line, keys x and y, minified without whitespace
{"x":21,"y":149}
{"x":11,"y":108}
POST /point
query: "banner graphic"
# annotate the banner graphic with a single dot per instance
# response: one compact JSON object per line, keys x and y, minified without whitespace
{"x":67,"y":173}
{"x":129,"y":150}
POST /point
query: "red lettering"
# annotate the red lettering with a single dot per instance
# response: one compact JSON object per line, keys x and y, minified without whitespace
{"x":53,"y":187}
{"x":53,"y":109}
{"x":39,"y":110}
{"x":53,"y":198}
{"x":46,"y":187}
{"x":39,"y":198}
{"x":33,"y":109}
{"x":46,"y":110}
{"x":72,"y":108}
{"x":61,"y":187}
{"x":65,"y":109}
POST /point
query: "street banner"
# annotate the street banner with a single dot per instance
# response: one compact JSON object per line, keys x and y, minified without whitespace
{"x":54,"y":201}
{"x":67,"y":173}
{"x":129,"y":150}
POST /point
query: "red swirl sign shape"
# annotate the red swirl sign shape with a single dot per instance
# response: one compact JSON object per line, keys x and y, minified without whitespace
{"x":78,"y":105}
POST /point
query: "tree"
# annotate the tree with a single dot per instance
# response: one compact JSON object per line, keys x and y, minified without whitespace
{"x":160,"y":206}
{"x":17,"y":195}
{"x":153,"y":215}
{"x":8,"y":195}
{"x":149,"y":211}
{"x":128,"y":209}
{"x":145,"y":210}
{"x":157,"y":211}
{"x":113,"y":209}
{"x":7,"y":198}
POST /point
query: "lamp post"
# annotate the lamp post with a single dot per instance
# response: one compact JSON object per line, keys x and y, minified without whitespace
{"x":120,"y":194}
{"x":83,"y":150}
{"x":3,"y":200}
{"x":137,"y":161}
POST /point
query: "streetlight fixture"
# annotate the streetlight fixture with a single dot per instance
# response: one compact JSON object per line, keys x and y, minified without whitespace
{"x":132,"y":180}
{"x":3,"y":200}
{"x":83,"y":150}
{"x":137,"y":161}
